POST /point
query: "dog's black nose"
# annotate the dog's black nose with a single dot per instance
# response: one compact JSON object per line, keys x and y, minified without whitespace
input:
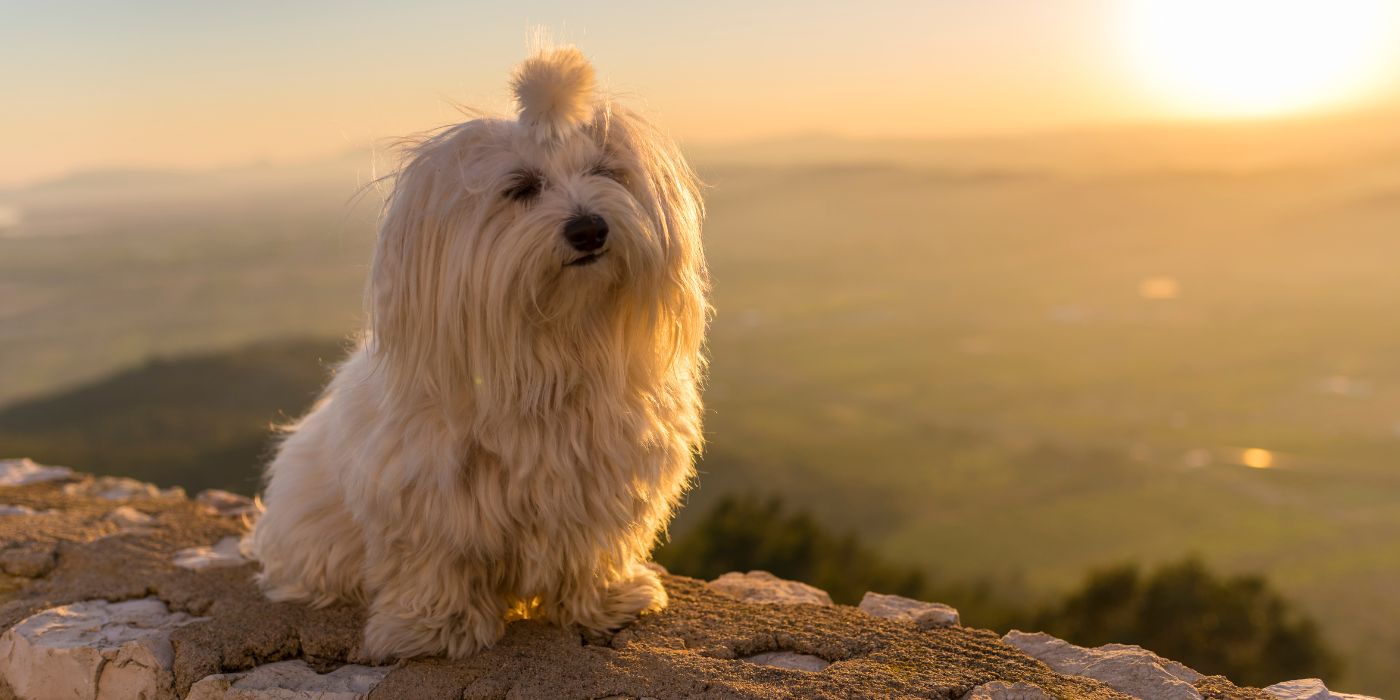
{"x":586,"y":232}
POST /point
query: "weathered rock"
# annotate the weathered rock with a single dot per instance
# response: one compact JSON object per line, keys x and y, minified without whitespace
{"x":1001,"y":690}
{"x":920,"y":614}
{"x":17,"y":472}
{"x":1309,"y":689}
{"x":704,"y":644}
{"x":763,"y":587}
{"x":17,"y":510}
{"x":226,"y":503}
{"x":291,"y":680}
{"x":128,"y":517}
{"x":1123,"y":667}
{"x":791,"y":660}
{"x":225,"y":552}
{"x":28,"y":559}
{"x":93,"y":650}
{"x":120,"y":488}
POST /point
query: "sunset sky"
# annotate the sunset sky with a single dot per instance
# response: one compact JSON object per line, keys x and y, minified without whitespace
{"x":202,"y":84}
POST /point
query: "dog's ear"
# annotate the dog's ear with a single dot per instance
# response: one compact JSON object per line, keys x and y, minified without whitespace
{"x":555,"y":90}
{"x":404,"y":276}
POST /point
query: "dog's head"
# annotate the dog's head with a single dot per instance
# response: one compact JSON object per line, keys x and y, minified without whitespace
{"x":517,"y":252}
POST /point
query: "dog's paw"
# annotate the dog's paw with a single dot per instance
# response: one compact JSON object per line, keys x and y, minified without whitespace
{"x":283,"y":589}
{"x":623,"y":601}
{"x":394,"y":636}
{"x":643,"y":593}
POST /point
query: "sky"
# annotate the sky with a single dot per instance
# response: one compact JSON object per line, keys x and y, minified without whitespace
{"x":194,"y":84}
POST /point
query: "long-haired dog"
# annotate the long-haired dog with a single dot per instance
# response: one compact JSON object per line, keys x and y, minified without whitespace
{"x":521,"y":417}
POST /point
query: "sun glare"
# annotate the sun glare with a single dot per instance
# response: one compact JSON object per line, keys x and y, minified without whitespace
{"x":1242,"y":58}
{"x":1257,"y":458}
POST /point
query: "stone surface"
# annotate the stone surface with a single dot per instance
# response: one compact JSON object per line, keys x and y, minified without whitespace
{"x":704,"y":645}
{"x":18,"y":472}
{"x":120,"y":488}
{"x":93,"y":650}
{"x":1001,"y":690}
{"x":791,"y":660}
{"x":1126,"y":668}
{"x":27,"y":559}
{"x":1309,"y":689}
{"x":226,"y":503}
{"x":128,"y":517}
{"x":17,"y":510}
{"x":763,"y":587}
{"x":920,"y":614}
{"x":291,"y":680}
{"x":225,"y":552}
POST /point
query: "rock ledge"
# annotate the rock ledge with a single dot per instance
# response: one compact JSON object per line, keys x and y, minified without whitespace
{"x":115,"y":589}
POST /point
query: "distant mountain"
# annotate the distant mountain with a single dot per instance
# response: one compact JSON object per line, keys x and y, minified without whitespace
{"x":200,"y":421}
{"x":115,"y":177}
{"x":1102,"y":149}
{"x":1224,"y":146}
{"x":332,"y":168}
{"x":80,"y":202}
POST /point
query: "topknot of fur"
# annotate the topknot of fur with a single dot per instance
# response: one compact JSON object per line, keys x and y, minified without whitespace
{"x":555,"y":92}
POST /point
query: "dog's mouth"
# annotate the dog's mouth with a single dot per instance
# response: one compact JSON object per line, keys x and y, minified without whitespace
{"x":586,"y":260}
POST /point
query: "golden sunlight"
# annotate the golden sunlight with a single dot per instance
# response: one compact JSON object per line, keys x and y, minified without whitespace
{"x":1243,"y":58}
{"x":1159,"y":288}
{"x":1257,"y":458}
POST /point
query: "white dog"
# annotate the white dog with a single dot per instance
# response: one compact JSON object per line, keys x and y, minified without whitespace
{"x":521,"y":417}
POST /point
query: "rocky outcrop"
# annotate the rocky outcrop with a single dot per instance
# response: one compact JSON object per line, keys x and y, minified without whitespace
{"x":1130,"y":669}
{"x":763,"y":587}
{"x":1309,"y":689}
{"x":18,"y":472}
{"x":93,"y":649}
{"x":225,"y":552}
{"x":916,"y":612}
{"x":290,"y":680}
{"x":114,"y":589}
{"x":1001,"y":690}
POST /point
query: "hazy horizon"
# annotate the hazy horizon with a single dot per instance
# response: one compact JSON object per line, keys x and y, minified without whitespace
{"x":159,"y":84}
{"x":1339,"y":126}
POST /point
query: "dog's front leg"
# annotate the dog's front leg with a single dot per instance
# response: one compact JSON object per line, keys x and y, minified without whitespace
{"x":429,"y":601}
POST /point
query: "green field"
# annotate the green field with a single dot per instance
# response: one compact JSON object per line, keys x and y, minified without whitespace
{"x":948,"y":348}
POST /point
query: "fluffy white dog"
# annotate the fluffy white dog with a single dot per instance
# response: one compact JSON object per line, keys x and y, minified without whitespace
{"x":521,"y":418}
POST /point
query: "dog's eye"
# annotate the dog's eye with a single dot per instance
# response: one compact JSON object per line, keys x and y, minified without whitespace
{"x":607,"y":171}
{"x":525,"y":185}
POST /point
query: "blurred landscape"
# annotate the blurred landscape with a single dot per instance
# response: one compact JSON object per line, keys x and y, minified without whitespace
{"x":1010,"y":360}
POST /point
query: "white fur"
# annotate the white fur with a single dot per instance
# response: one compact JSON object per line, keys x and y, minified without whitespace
{"x":554,"y":90}
{"x":512,"y":433}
